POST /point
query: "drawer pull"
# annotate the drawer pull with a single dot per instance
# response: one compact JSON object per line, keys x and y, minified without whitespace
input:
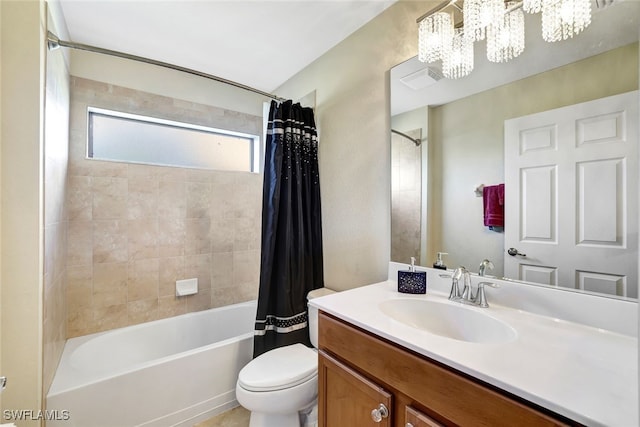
{"x":379,"y":413}
{"x":408,"y":425}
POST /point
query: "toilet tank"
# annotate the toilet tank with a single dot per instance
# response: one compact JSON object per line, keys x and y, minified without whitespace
{"x":313,"y":313}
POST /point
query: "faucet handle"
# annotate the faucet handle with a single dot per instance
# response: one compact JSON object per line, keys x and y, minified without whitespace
{"x":481,"y":298}
{"x":458,"y":273}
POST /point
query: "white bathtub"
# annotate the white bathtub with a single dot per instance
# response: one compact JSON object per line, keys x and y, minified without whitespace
{"x":169,"y":372}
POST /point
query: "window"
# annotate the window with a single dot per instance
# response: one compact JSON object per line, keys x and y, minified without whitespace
{"x":138,"y":139}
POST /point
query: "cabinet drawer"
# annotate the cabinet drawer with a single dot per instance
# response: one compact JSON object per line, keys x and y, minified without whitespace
{"x":449,"y":394}
{"x":415,"y":418}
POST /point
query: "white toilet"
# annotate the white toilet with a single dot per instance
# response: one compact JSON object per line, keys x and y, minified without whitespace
{"x":280,"y":387}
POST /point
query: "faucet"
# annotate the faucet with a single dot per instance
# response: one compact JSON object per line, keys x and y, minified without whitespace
{"x":468,"y":296}
{"x":484,"y":265}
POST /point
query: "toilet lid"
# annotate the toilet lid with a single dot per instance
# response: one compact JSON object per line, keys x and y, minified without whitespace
{"x":280,"y":368}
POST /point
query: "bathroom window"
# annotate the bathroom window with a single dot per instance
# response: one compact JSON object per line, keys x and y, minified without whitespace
{"x":133,"y":138}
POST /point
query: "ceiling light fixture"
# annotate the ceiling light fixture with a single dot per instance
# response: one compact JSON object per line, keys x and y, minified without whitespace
{"x":500,"y":22}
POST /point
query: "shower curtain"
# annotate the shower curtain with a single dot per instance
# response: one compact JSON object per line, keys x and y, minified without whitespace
{"x":291,"y":260}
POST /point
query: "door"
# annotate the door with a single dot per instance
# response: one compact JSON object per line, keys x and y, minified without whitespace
{"x":346,"y":398}
{"x":571,"y":199}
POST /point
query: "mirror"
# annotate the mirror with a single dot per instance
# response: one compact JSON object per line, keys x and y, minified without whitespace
{"x":462,"y":127}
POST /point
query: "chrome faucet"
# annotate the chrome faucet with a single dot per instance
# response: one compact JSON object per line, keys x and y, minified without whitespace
{"x":484,"y":266}
{"x":468,"y":296}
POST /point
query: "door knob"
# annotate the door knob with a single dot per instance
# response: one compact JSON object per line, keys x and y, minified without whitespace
{"x":514,"y":252}
{"x":379,"y":413}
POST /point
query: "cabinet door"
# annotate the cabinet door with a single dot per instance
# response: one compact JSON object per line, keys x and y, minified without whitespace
{"x":415,"y":418}
{"x":346,"y":398}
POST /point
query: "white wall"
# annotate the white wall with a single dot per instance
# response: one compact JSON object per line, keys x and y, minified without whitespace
{"x":23,"y":49}
{"x":164,"y":81}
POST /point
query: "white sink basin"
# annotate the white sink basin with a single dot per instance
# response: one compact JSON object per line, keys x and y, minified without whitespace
{"x":449,"y":320}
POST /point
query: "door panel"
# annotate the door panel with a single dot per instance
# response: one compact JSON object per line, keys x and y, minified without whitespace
{"x":571,"y":199}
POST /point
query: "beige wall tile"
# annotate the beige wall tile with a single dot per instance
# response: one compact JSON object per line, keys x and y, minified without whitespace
{"x":142,"y":311}
{"x":80,"y":285}
{"x":110,"y":317}
{"x":80,"y":243}
{"x":171,"y":237}
{"x":142,"y":197}
{"x":222,"y":234}
{"x":143,"y":239}
{"x":221,"y":270}
{"x":80,"y":321}
{"x":80,"y":198}
{"x":223,"y":296}
{"x":109,"y":198}
{"x":246,"y":267}
{"x":172,"y":199}
{"x":199,"y":301}
{"x":109,"y":284}
{"x":171,"y":269}
{"x":198,"y":266}
{"x":110,"y":242}
{"x":197,"y":236}
{"x":198,"y":199}
{"x":143,"y":280}
{"x":169,"y":306}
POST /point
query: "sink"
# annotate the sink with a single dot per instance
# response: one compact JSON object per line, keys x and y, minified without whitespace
{"x":449,"y":320}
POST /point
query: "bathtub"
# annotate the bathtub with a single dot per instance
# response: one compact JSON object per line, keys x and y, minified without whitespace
{"x":170,"y":372}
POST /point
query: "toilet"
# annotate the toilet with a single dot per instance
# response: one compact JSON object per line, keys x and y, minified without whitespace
{"x":280,"y":387}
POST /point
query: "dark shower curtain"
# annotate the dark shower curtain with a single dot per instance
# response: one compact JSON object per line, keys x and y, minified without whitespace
{"x":291,"y":262}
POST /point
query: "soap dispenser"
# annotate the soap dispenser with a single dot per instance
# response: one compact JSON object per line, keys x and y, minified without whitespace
{"x":439,"y":263}
{"x":412,"y":281}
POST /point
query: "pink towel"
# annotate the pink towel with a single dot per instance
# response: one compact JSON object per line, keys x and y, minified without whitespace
{"x":493,"y":200}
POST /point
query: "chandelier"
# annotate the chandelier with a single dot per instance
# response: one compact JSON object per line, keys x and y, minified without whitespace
{"x":500,"y":22}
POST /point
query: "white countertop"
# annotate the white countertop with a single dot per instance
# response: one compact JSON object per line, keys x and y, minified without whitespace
{"x":585,"y":373}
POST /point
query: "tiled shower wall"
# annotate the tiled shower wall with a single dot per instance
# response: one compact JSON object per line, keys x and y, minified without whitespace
{"x":406,"y":197}
{"x":56,"y":148}
{"x":136,"y":229}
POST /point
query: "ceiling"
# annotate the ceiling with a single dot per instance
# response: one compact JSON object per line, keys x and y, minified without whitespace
{"x":260,"y":43}
{"x":613,"y":24}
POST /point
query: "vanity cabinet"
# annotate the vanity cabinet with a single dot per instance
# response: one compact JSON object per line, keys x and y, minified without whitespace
{"x":359,"y":372}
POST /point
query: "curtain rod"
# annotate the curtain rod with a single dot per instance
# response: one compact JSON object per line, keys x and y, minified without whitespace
{"x":53,"y":42}
{"x":416,"y":141}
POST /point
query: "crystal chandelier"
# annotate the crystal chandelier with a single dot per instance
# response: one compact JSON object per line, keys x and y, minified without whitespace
{"x":532,"y":6}
{"x":500,"y":22}
{"x":563,"y":19}
{"x":459,"y":61}
{"x":434,"y":36}
{"x":478,"y":15}
{"x":505,"y":37}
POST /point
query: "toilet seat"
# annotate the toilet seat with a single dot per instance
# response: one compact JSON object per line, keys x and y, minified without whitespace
{"x":279,"y":369}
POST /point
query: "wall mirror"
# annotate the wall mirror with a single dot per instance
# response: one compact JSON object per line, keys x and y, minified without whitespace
{"x":453,"y":143}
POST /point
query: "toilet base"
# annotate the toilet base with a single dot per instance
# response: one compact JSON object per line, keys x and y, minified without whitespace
{"x":261,"y":419}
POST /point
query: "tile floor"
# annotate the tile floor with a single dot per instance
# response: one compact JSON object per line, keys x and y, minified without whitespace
{"x":236,"y":417}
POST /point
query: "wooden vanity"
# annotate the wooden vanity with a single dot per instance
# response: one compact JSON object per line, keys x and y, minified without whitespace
{"x":359,"y":371}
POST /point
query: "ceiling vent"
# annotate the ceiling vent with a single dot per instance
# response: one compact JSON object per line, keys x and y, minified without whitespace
{"x":421,"y":78}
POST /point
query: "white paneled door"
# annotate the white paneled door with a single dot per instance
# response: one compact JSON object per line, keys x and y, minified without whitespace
{"x":571,"y":196}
